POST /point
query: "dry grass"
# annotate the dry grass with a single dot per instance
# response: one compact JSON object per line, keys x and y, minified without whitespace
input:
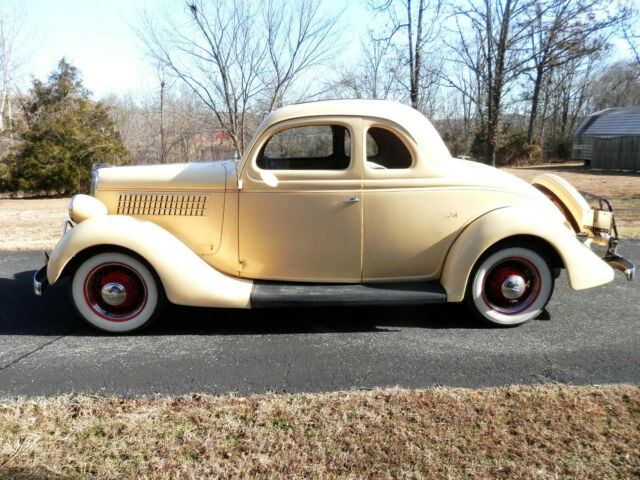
{"x":31,"y":224}
{"x":544,"y":432}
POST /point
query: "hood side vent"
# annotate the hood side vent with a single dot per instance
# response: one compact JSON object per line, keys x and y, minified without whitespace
{"x":154,"y":204}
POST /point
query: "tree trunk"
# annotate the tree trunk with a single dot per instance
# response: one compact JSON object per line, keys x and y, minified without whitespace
{"x":162,"y":139}
{"x":496,"y":78}
{"x":535,"y":99}
{"x":2,"y":103}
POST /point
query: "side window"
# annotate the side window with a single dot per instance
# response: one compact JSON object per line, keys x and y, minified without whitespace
{"x":385,"y":150}
{"x":316,"y":147}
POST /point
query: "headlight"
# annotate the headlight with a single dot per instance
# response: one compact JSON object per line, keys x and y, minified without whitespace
{"x":82,"y":207}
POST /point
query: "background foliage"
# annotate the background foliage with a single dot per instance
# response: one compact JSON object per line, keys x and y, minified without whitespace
{"x":66,"y":134}
{"x":504,"y":82}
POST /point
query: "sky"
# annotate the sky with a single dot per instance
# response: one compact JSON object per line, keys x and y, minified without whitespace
{"x":94,"y":35}
{"x":97,"y":37}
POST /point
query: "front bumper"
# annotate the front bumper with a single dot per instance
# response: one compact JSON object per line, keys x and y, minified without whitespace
{"x":622,"y":264}
{"x":40,"y":282}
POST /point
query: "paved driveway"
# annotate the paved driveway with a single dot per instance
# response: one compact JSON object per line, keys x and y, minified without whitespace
{"x":585,"y":338}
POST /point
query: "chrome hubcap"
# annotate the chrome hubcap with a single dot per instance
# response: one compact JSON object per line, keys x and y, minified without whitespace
{"x":513,"y":287}
{"x":113,"y":294}
{"x":115,"y":291}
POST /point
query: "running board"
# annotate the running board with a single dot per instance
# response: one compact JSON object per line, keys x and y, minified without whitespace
{"x":278,"y":294}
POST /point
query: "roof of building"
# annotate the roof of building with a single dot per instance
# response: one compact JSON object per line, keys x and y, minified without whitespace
{"x":611,"y":121}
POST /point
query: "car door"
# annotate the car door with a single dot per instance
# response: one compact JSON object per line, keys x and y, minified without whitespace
{"x":300,"y":209}
{"x":411,"y":212}
{"x":401,"y":211}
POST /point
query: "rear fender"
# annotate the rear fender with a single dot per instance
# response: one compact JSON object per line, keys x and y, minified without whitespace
{"x":186,"y":278}
{"x":584,"y":268}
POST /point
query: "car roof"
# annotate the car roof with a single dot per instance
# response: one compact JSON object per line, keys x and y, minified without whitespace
{"x":410,"y":119}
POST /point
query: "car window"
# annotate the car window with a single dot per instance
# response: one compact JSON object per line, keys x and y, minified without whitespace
{"x":385,"y":150}
{"x":347,"y":144}
{"x":372,"y":146}
{"x":314,"y":147}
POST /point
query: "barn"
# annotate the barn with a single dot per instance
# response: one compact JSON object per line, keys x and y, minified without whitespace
{"x":609,"y":139}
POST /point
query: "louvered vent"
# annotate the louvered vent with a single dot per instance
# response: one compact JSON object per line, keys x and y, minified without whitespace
{"x":158,"y":204}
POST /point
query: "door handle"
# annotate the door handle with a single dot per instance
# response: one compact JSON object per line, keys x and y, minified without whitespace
{"x":352,"y":200}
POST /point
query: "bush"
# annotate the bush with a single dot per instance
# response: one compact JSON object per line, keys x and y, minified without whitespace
{"x":512,"y":150}
{"x":68,"y":133}
{"x":563,"y":149}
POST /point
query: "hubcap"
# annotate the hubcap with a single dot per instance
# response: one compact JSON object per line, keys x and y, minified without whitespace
{"x":115,"y":291}
{"x":114,"y":294}
{"x":511,"y":285}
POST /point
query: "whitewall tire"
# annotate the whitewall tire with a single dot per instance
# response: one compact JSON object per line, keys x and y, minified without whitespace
{"x":510,"y":286}
{"x":116,"y":292}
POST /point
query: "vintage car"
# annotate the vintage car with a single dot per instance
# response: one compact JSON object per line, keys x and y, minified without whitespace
{"x":350,"y":202}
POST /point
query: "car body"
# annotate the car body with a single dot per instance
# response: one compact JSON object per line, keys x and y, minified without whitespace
{"x":354,"y":202}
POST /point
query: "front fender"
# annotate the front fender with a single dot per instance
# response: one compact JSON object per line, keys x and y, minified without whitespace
{"x":584,"y":268}
{"x":186,"y":278}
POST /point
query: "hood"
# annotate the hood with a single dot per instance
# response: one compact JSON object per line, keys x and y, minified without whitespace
{"x":176,"y":176}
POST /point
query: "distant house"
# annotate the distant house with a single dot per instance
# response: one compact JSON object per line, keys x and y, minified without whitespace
{"x":609,"y":139}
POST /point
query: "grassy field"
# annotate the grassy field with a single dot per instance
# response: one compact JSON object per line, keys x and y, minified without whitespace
{"x":36,"y":224}
{"x":507,"y":433}
{"x":31,"y":224}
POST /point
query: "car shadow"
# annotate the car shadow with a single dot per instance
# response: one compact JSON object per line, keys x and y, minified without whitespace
{"x":52,"y":314}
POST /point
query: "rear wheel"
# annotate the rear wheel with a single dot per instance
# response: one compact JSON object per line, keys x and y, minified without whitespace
{"x":116,"y":292}
{"x":510,"y":286}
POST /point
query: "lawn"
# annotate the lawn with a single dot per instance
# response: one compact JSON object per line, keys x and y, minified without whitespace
{"x":544,"y":432}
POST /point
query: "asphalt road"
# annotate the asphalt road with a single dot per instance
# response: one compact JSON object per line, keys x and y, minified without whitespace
{"x":589,"y":337}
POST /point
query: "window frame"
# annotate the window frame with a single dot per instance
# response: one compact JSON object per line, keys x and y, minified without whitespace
{"x":405,"y":138}
{"x":313,"y":173}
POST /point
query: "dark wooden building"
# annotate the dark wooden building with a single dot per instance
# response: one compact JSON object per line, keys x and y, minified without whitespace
{"x":609,"y":139}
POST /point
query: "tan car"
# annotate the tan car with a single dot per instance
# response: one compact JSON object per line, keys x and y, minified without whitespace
{"x":354,"y":202}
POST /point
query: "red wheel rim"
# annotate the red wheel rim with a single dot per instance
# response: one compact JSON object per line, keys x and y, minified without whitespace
{"x":130,"y":290}
{"x":511,"y":271}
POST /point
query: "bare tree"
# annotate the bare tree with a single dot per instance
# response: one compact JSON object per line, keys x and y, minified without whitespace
{"x":490,"y":36}
{"x":377,"y":74}
{"x":240,"y":58}
{"x":617,"y":86}
{"x":634,"y":44}
{"x":12,"y":24}
{"x":560,"y":32}
{"x":421,"y":22}
{"x":188,"y":128}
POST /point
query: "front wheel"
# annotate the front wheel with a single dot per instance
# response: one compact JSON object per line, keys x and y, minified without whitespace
{"x":116,"y":292}
{"x":510,"y":286}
